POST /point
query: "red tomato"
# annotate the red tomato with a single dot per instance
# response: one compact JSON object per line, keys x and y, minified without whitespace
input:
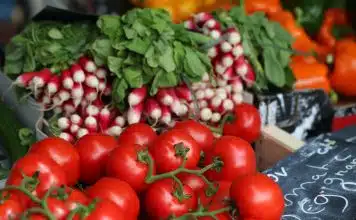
{"x":238,"y":157}
{"x":106,"y":209}
{"x":167,"y":145}
{"x":63,"y":153}
{"x":220,"y":197}
{"x":50,"y":174}
{"x":199,"y":132}
{"x":124,"y":165}
{"x":214,"y":207}
{"x":193,"y":181}
{"x":10,"y":208}
{"x":160,"y":201}
{"x":118,"y":192}
{"x":257,"y":197}
{"x":139,"y":133}
{"x":94,"y":150}
{"x":246,"y":123}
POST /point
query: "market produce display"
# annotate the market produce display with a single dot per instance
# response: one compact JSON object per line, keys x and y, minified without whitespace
{"x":142,"y":175}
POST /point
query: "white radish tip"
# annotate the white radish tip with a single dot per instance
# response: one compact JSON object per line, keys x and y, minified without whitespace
{"x":89,"y":121}
{"x":102,"y":86}
{"x":206,"y":31}
{"x":237,"y":88}
{"x":38,"y":81}
{"x":75,"y":119}
{"x":228,"y":105}
{"x":91,"y":96}
{"x":242,"y":70}
{"x":225,"y":47}
{"x":237,"y":51}
{"x":166,"y":119}
{"x":221,"y":82}
{"x":82,"y":132}
{"x":92,"y":110}
{"x":212,"y":52}
{"x":101,"y":73}
{"x":184,"y":110}
{"x":203,"y":104}
{"x":200,"y":94}
{"x":216,"y":101}
{"x":114,"y":131}
{"x":92,"y":81}
{"x":237,"y":98}
{"x":205,"y":114}
{"x":74,"y":129}
{"x":234,"y":38}
{"x":215,"y":34}
{"x":51,"y":88}
{"x":228,"y":89}
{"x":210,"y":23}
{"x":209,"y":93}
{"x":56,"y":101}
{"x":90,"y":66}
{"x":63,"y":123}
{"x":64,"y":95}
{"x":215,"y":117}
{"x":119,"y":120}
{"x":58,"y":110}
{"x":220,"y":69}
{"x":206,"y":77}
{"x":227,"y":61}
{"x":167,"y":100}
{"x":69,"y":109}
{"x":133,"y":99}
{"x":156,"y":114}
{"x":77,"y":93}
{"x":68,"y":83}
{"x":66,"y":136}
{"x":79,"y":76}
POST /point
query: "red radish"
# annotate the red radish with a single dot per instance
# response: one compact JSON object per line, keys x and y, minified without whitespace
{"x":92,"y":110}
{"x":90,"y":94}
{"x":164,"y":97}
{"x":236,"y":85}
{"x":87,"y":64}
{"x":101,"y":73}
{"x":221,"y":82}
{"x":228,"y":74}
{"x":215,"y":34}
{"x":108,"y":90}
{"x":91,"y":81}
{"x":237,"y":51}
{"x":215,"y":117}
{"x":102,"y":85}
{"x":91,"y":124}
{"x":166,"y":115}
{"x":152,"y":109}
{"x":209,"y":93}
{"x":76,"y":119}
{"x":25,"y":79}
{"x":63,"y":95}
{"x":203,"y":104}
{"x":63,"y":123}
{"x":77,"y":91}
{"x":205,"y":77}
{"x":212,"y":24}
{"x":53,"y":85}
{"x":120,"y":121}
{"x":134,"y":113}
{"x":201,"y":18}
{"x":190,"y":25}
{"x":221,"y":93}
{"x":206,"y":31}
{"x":215,"y":102}
{"x":41,"y":78}
{"x":200,"y":94}
{"x":104,"y":118}
{"x":242,"y":70}
{"x":225,"y":47}
{"x":67,"y":80}
{"x":184,"y":110}
{"x":205,"y":114}
{"x":66,"y":136}
{"x":82,"y":132}
{"x":58,"y":110}
{"x":183,"y":92}
{"x":46,"y":100}
{"x":114,"y":131}
{"x":78,"y":73}
{"x":228,"y":89}
{"x":227,"y":60}
{"x":237,"y":98}
{"x":98,"y":103}
{"x":219,"y":68}
{"x":228,"y":105}
{"x":74,"y":129}
{"x":250,"y":77}
{"x":137,"y":96}
{"x":233,"y":37}
{"x":213,"y":52}
{"x":69,"y":107}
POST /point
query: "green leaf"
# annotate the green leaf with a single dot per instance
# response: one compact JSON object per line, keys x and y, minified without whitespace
{"x":103,"y":47}
{"x":139,"y":28}
{"x":130,"y":33}
{"x":179,"y":55}
{"x":163,"y":80}
{"x":109,"y":24}
{"x":194,"y":66}
{"x":273,"y":69}
{"x":166,"y":60}
{"x":133,"y":76}
{"x":148,"y":74}
{"x":30,"y":63}
{"x":56,"y":34}
{"x":120,"y":88}
{"x":115,"y":64}
{"x":13,"y":67}
{"x":139,"y":45}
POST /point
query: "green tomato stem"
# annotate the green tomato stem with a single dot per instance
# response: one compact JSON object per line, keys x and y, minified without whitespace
{"x":24,"y":191}
{"x":37,"y":210}
{"x":197,"y":214}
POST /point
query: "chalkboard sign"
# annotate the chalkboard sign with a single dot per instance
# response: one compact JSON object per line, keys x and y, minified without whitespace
{"x":319,"y":181}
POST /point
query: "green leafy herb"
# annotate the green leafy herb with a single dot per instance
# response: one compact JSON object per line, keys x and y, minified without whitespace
{"x":144,"y":47}
{"x":48,"y":44}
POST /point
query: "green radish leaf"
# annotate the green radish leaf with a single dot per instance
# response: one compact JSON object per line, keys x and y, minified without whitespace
{"x":273,"y":69}
{"x":109,"y":25}
{"x":166,"y":60}
{"x":103,"y":47}
{"x":130,"y":33}
{"x":194,"y":66}
{"x":139,"y":28}
{"x":138,"y":45}
{"x":30,"y":63}
{"x":133,"y":76}
{"x":56,"y":34}
{"x":120,"y":88}
{"x":115,"y":64}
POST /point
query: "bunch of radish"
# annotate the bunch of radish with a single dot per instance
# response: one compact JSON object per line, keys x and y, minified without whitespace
{"x":227,"y":56}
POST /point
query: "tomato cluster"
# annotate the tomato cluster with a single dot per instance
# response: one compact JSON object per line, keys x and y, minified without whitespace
{"x":141,"y":175}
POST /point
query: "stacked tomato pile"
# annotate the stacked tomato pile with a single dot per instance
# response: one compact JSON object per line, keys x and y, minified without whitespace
{"x":182,"y":173}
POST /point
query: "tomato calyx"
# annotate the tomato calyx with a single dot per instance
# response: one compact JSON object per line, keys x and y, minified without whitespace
{"x":202,"y":212}
{"x":181,"y":150}
{"x":82,"y":210}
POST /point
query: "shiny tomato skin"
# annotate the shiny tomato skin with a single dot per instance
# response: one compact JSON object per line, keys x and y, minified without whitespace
{"x":257,"y":197}
{"x":163,"y":151}
{"x":236,"y":154}
{"x":10,"y":208}
{"x":94,"y":150}
{"x":63,"y":153}
{"x":196,"y":183}
{"x":199,"y":132}
{"x":139,"y":133}
{"x":50,"y":174}
{"x":106,"y":209}
{"x":160,"y":202}
{"x":246,"y":123}
{"x":119,"y":192}
{"x":220,"y":197}
{"x":215,"y":207}
{"x":123,"y":164}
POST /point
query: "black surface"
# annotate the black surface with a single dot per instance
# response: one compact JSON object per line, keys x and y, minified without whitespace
{"x":55,"y":14}
{"x":319,"y":181}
